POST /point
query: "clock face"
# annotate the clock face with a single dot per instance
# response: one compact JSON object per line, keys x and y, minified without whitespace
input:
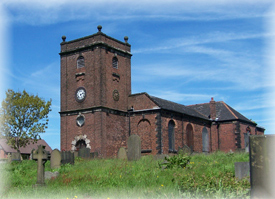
{"x":80,"y":94}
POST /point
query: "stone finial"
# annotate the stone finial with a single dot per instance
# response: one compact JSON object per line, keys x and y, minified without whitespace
{"x":64,"y":38}
{"x":99,"y":27}
{"x":126,"y":39}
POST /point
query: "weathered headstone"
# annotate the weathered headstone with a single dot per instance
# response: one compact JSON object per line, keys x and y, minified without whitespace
{"x":84,"y":153}
{"x":94,"y":154}
{"x":122,"y":154}
{"x":67,"y":157}
{"x":134,"y":147}
{"x":16,"y":156}
{"x":41,"y":156}
{"x":51,"y":175}
{"x":242,"y":170}
{"x":261,"y":154}
{"x":75,"y":154}
{"x":55,"y":159}
{"x":185,"y":150}
{"x":9,"y":158}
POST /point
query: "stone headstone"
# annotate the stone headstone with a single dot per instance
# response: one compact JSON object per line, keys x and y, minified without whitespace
{"x":84,"y":153}
{"x":122,"y":154}
{"x":262,"y":162}
{"x":242,"y":170}
{"x":94,"y":154}
{"x":55,"y":159}
{"x":16,"y":156}
{"x":51,"y":175}
{"x":185,"y":150}
{"x":134,"y":147}
{"x":9,"y":157}
{"x":67,"y":157}
{"x":75,"y":154}
{"x":41,"y":156}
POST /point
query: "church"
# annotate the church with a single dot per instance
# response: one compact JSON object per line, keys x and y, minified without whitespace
{"x":99,"y":111}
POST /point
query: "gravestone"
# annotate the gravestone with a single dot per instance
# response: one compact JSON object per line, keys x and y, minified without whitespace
{"x":84,"y":153}
{"x":16,"y":156}
{"x":134,"y":147}
{"x":122,"y":154}
{"x":75,"y":154}
{"x":262,"y":162}
{"x":94,"y":154}
{"x":185,"y":150}
{"x":9,"y":157}
{"x":67,"y":157}
{"x":41,"y":156}
{"x":55,"y":159}
{"x":242,"y":170}
{"x":51,"y":175}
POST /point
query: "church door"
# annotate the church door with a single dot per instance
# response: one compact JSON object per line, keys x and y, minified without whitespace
{"x":80,"y":144}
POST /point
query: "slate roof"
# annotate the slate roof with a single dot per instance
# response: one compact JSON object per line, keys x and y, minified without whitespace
{"x":223,"y":111}
{"x":172,"y":106}
{"x":24,"y":150}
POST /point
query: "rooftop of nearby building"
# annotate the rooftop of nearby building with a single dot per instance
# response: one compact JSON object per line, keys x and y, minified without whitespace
{"x":24,"y":150}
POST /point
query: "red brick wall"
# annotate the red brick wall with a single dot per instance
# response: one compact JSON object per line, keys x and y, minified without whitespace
{"x":106,"y":132}
{"x":140,"y":102}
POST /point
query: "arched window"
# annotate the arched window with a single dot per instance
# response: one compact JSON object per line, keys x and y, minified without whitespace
{"x":205,"y":140}
{"x":115,"y":62}
{"x":171,"y":135}
{"x":246,"y":139}
{"x":80,"y":62}
{"x":189,"y":136}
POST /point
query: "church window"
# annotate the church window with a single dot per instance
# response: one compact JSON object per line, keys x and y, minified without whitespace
{"x":205,"y":140}
{"x":80,"y":62}
{"x":171,"y":135}
{"x":115,"y":62}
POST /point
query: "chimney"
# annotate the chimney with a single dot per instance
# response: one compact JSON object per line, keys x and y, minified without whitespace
{"x":212,"y":109}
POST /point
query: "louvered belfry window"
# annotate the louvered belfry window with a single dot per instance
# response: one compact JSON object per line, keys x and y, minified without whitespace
{"x":115,"y":62}
{"x":80,"y":62}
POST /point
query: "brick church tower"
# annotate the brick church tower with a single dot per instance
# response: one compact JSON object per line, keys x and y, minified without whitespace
{"x":95,"y":85}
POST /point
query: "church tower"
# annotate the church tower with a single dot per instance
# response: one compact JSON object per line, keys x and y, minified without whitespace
{"x":95,"y":85}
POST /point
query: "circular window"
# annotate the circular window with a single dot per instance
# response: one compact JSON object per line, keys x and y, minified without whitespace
{"x":80,"y":120}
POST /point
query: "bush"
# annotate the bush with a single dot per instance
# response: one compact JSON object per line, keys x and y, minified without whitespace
{"x":175,"y":161}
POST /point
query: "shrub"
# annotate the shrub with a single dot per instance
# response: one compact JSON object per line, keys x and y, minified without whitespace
{"x":175,"y":161}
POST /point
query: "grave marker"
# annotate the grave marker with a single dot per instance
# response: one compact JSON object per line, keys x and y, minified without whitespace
{"x":134,"y":147}
{"x":67,"y":157}
{"x":242,"y":170}
{"x":122,"y":154}
{"x":41,"y":156}
{"x":16,"y":156}
{"x":261,"y":156}
{"x":55,"y":159}
{"x":84,"y":153}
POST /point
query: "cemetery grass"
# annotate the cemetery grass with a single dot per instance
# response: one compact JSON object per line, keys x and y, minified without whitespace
{"x":208,"y":176}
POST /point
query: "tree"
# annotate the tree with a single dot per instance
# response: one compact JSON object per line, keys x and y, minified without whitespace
{"x":23,"y":117}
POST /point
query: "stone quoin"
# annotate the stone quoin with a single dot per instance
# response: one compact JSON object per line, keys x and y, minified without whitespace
{"x":99,"y":112}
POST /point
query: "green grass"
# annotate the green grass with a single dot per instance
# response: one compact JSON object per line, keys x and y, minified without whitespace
{"x":210,"y":176}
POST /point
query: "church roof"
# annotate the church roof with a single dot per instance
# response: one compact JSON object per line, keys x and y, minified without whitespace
{"x":24,"y":150}
{"x":223,"y":112}
{"x":172,"y":106}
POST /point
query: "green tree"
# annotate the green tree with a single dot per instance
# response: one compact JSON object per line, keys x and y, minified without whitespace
{"x":23,"y":117}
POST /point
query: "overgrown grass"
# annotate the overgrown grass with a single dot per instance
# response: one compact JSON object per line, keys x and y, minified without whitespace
{"x":209,"y":176}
